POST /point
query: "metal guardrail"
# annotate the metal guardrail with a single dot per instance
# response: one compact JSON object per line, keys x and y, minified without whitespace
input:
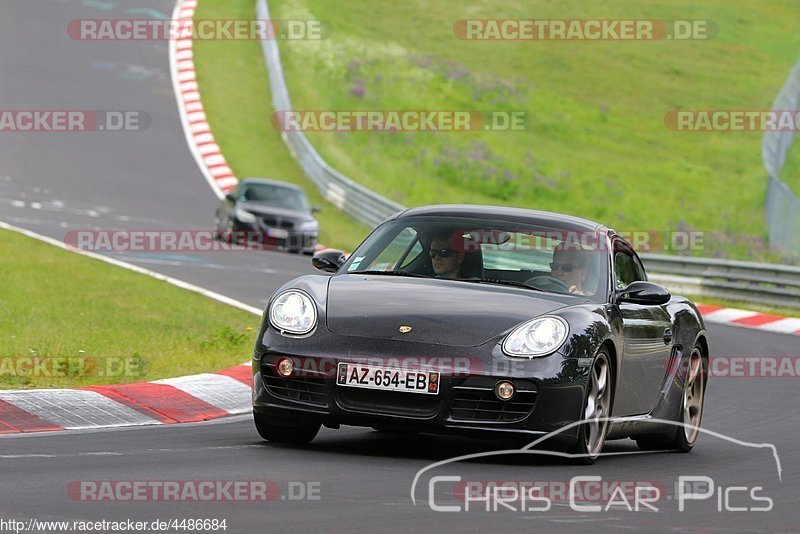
{"x":759,"y":283}
{"x":782,"y":206}
{"x":750,"y":282}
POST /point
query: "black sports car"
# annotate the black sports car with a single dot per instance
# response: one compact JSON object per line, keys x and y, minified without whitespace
{"x":474,"y":319}
{"x":270,"y":213}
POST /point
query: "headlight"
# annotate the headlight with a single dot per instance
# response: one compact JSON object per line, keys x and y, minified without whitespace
{"x":537,"y":337}
{"x":307,"y":226}
{"x":244,"y":216}
{"x":293,"y":311}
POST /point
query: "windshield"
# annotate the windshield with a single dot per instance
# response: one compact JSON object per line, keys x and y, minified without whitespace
{"x":274,"y":195}
{"x":548,"y":259}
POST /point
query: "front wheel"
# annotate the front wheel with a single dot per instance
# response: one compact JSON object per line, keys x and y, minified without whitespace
{"x":596,"y":411}
{"x":295,"y":435}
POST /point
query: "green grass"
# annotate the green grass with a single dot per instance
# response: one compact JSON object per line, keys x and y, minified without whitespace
{"x":57,"y":304}
{"x":598,"y":147}
{"x":235,"y":92}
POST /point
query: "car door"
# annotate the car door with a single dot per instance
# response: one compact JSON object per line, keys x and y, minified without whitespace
{"x":647,"y":344}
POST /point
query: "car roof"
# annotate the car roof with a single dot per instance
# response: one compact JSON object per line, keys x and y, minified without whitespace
{"x":270,"y":182}
{"x":522,"y":215}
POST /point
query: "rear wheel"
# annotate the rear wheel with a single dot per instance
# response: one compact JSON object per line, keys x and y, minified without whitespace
{"x":596,"y":411}
{"x":296,"y":435}
{"x":694,"y":390}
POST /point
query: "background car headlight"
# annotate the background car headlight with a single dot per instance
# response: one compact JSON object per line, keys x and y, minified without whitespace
{"x":244,"y":216}
{"x":537,"y":337}
{"x":293,"y":311}
{"x":308,"y":226}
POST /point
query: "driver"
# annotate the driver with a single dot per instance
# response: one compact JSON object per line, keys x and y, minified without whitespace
{"x":446,"y":261}
{"x":570,"y":265}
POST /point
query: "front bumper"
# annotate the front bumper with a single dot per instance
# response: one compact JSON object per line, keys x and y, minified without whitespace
{"x":279,"y":238}
{"x":549,"y":392}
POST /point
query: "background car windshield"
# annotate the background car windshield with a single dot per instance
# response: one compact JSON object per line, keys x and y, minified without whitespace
{"x":275,"y":195}
{"x":490,"y":251}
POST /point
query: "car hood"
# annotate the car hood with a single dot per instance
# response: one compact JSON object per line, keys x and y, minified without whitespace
{"x":441,"y":312}
{"x":283,"y":213}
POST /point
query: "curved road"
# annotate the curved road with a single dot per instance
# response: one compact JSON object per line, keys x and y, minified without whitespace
{"x":53,"y":183}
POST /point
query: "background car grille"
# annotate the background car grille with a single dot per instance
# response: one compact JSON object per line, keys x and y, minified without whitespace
{"x":481,"y":404}
{"x":307,"y":390}
{"x":274,"y":222}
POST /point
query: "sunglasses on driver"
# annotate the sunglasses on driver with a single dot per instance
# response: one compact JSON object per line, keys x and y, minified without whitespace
{"x":443,"y":252}
{"x":566,"y":267}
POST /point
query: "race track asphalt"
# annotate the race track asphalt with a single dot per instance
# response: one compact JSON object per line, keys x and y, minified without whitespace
{"x":52,"y":183}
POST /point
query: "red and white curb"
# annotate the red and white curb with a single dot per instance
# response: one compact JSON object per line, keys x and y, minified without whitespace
{"x":201,"y":141}
{"x":173,"y":400}
{"x":204,"y":148}
{"x":750,"y":319}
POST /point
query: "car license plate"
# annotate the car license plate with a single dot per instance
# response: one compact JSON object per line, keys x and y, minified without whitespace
{"x":387,"y":378}
{"x":277,"y":233}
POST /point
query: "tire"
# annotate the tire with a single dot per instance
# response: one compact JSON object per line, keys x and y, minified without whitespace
{"x":684,"y":437}
{"x":596,"y":409}
{"x":217,"y":231}
{"x":295,"y":435}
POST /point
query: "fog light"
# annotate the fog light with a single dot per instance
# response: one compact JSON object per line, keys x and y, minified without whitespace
{"x":285,"y":367}
{"x":504,"y":390}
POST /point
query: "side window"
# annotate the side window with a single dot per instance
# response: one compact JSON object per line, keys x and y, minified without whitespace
{"x":394,"y":251}
{"x":627,"y":269}
{"x":639,"y":268}
{"x":413,"y":254}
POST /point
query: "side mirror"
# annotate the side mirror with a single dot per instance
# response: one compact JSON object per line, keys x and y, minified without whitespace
{"x":230,"y":197}
{"x":646,"y":293}
{"x":315,"y":209}
{"x":328,"y":261}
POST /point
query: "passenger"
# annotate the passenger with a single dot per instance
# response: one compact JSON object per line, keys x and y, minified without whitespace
{"x":446,"y":261}
{"x":571,"y":267}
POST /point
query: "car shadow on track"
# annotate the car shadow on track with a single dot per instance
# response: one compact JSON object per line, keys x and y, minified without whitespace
{"x":363,"y":442}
